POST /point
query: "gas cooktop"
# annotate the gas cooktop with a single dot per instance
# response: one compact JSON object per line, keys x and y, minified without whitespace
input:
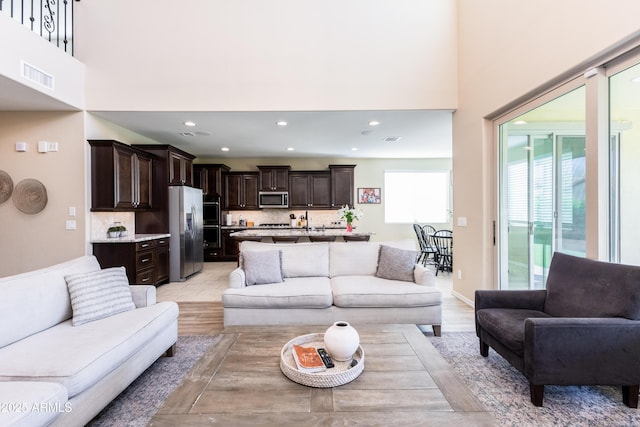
{"x":281,"y":225}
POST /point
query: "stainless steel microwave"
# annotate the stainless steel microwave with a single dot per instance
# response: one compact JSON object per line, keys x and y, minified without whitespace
{"x":273,"y":199}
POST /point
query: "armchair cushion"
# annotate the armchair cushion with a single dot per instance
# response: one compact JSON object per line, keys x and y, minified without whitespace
{"x":581,"y":287}
{"x":508,"y":325}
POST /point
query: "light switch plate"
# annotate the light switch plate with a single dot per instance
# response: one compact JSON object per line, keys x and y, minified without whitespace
{"x":462,"y":221}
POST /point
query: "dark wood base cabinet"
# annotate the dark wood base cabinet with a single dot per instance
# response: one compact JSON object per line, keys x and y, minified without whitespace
{"x":146,"y":262}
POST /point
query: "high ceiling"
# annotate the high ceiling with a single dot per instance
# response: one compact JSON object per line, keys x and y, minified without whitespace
{"x":399,"y":134}
{"x":344,"y":134}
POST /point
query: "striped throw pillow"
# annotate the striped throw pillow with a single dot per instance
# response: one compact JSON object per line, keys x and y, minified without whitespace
{"x":99,"y":294}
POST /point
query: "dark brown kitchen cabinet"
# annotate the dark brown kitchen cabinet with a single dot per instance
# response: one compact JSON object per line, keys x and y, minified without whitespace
{"x":230,"y":248}
{"x":241,"y":190}
{"x":175,"y":167}
{"x":121,"y":177}
{"x":310,"y":189}
{"x":341,"y":185}
{"x":208,"y":177}
{"x":274,"y":178}
{"x":146,"y":262}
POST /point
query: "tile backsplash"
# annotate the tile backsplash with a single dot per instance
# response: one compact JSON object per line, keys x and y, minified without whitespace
{"x":101,"y":221}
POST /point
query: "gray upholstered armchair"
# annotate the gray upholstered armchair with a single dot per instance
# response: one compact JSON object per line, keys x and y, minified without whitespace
{"x":584,"y":329}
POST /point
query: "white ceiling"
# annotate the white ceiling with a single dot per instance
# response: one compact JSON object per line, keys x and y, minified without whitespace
{"x":422,"y":133}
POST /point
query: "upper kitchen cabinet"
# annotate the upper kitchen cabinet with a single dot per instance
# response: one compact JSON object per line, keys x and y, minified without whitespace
{"x":274,"y":178}
{"x":241,"y":190}
{"x":310,"y":189}
{"x":121,"y":177}
{"x":208,"y":177}
{"x":178,"y":165}
{"x":341,"y":185}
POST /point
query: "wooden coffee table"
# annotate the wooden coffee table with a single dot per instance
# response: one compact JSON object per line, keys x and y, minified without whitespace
{"x":239,"y":382}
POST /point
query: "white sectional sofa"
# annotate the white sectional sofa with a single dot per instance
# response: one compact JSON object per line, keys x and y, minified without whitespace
{"x":41,"y":349}
{"x":320,"y":283}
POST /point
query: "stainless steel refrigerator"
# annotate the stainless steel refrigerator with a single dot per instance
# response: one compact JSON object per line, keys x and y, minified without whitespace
{"x":185,"y":226}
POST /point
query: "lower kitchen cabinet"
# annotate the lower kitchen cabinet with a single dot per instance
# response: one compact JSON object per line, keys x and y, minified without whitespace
{"x":146,"y":262}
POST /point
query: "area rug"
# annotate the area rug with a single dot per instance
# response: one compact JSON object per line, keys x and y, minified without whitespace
{"x":505,"y":392}
{"x":136,"y":405}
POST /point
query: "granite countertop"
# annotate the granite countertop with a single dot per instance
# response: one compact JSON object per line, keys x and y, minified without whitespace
{"x":131,"y":239}
{"x":300,"y":232}
{"x":244,"y":227}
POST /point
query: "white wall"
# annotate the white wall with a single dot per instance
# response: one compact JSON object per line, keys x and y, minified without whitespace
{"x":256,"y":55}
{"x":506,"y":50}
{"x":18,"y":43}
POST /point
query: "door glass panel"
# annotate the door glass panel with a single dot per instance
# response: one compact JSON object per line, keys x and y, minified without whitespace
{"x":624,"y":90}
{"x":542,"y":189}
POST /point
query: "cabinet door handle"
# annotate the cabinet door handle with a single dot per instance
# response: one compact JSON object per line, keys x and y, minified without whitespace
{"x":145,"y":245}
{"x":146,"y":259}
{"x":146,"y":279}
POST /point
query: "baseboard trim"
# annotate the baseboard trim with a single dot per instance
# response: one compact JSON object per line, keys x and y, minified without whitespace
{"x":463,"y":298}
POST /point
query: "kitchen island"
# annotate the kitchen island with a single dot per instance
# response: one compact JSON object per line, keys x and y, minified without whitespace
{"x":302,"y":233}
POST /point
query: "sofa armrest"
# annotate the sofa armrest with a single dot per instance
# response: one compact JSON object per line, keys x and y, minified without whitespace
{"x":143,"y":295}
{"x":237,"y":279}
{"x":526,"y":299}
{"x":423,"y":276}
{"x":588,"y":350}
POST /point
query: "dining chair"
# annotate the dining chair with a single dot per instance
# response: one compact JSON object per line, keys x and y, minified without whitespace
{"x":322,"y":238}
{"x":361,"y":238}
{"x":427,"y":233}
{"x":285,"y":239}
{"x":443,"y":239}
{"x":426,"y":247}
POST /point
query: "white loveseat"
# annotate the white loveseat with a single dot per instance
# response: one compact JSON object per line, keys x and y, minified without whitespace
{"x":62,"y":374}
{"x":326,"y":282}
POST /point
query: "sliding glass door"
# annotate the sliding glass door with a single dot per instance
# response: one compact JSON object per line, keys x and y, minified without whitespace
{"x":542,"y":189}
{"x":624,"y":95}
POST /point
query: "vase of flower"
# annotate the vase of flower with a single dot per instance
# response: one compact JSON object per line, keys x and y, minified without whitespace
{"x":349,"y":215}
{"x":341,"y":341}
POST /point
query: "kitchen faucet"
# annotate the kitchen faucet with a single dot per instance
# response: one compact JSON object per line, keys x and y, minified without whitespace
{"x":306,"y":220}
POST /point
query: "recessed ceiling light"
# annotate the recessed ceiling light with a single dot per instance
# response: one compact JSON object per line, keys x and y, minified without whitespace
{"x":225,"y":148}
{"x":636,"y":80}
{"x":520,"y":122}
{"x":189,"y":123}
{"x":290,"y":148}
{"x":354,"y":149}
{"x":374,"y":123}
{"x":281,"y":123}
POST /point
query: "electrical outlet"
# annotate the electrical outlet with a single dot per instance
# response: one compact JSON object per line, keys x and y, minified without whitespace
{"x":71,"y":224}
{"x":459,"y":274}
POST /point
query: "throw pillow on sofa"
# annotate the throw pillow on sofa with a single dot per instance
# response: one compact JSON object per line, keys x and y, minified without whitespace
{"x":262,"y":267}
{"x":396,"y":264}
{"x":99,"y":294}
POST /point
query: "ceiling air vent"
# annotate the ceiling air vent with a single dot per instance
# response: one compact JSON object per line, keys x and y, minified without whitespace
{"x":187,"y":134}
{"x":35,"y":75}
{"x":392,"y":139}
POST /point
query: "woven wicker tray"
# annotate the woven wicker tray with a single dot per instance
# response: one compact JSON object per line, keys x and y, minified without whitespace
{"x":341,"y":374}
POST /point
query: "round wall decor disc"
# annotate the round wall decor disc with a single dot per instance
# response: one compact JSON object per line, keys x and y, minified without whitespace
{"x":30,"y":196}
{"x":6,"y":186}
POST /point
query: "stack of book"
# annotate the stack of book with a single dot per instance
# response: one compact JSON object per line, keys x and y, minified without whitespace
{"x":307,"y":359}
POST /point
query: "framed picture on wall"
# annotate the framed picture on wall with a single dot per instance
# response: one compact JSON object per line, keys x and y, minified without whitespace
{"x":369,"y":195}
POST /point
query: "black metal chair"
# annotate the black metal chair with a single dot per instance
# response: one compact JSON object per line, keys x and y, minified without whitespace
{"x":322,"y":238}
{"x":285,"y":239}
{"x":361,"y":238}
{"x":443,"y":239}
{"x":427,"y":248}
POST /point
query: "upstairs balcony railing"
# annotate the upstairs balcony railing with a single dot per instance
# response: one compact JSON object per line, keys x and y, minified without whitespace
{"x":51,"y":19}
